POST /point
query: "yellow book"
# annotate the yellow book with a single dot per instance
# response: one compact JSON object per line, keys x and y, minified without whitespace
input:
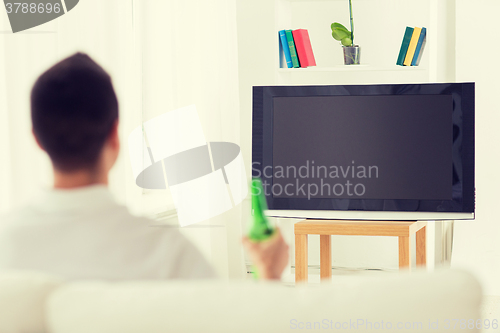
{"x":412,"y":47}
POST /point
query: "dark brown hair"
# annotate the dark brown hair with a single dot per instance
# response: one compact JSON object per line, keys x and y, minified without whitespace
{"x":73,"y":110}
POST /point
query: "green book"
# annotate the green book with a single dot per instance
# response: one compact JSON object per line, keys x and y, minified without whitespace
{"x":291,"y":46}
{"x":404,"y":46}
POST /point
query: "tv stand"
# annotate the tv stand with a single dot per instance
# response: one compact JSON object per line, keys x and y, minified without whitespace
{"x":326,"y":228}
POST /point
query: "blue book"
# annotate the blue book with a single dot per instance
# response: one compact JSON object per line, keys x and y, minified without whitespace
{"x":420,"y":48}
{"x":286,"y":49}
{"x":404,"y":46}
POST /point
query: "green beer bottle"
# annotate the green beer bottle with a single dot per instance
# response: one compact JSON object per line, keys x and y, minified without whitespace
{"x":260,"y":229}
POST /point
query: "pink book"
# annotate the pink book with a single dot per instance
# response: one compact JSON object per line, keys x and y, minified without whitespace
{"x":304,"y":49}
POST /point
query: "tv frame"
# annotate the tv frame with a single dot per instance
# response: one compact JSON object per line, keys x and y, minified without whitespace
{"x":463,"y":95}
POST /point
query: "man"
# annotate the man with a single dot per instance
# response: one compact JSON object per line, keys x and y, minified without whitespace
{"x":76,"y":230}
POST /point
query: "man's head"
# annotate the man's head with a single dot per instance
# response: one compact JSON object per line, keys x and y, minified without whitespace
{"x":74,"y":111}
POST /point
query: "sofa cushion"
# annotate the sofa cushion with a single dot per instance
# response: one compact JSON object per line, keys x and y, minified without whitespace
{"x":218,"y":306}
{"x":22,"y":301}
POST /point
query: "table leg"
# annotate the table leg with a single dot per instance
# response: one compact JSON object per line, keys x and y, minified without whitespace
{"x":404,"y":252}
{"x":301,"y":258}
{"x":325,"y":254}
{"x":421,"y":248}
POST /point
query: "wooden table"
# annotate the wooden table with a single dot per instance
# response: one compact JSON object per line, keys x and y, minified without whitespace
{"x":325,"y":228}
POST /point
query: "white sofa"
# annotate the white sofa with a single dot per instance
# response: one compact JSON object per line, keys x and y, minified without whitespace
{"x":35,"y":302}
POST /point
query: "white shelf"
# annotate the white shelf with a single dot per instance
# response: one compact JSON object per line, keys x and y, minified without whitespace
{"x":327,"y":0}
{"x":351,"y":68}
{"x":376,"y":64}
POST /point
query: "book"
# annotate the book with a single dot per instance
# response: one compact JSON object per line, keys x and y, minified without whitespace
{"x":291,"y":46}
{"x":420,"y":48}
{"x":412,"y":47}
{"x":404,"y":46}
{"x":304,"y":48}
{"x":286,"y":50}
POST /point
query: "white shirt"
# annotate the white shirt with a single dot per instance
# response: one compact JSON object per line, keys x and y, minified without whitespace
{"x":85,"y":234}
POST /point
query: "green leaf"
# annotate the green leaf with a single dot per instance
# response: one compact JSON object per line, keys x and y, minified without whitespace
{"x":339,"y":33}
{"x":346,"y":41}
{"x":338,"y":25}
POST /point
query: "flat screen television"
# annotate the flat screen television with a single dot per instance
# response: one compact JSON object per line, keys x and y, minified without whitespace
{"x":374,"y":152}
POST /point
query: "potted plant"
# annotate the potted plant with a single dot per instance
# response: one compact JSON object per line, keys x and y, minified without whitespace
{"x":346,"y":38}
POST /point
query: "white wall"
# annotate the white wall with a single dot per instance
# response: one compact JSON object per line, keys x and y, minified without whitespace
{"x":476,"y":244}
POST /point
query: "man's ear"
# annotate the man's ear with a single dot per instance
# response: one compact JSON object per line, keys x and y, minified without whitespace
{"x":37,"y":141}
{"x":114,"y":138}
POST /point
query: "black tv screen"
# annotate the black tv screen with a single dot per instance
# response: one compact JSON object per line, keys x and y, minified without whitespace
{"x":322,"y":150}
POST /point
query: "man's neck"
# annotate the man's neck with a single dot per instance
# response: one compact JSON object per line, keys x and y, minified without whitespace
{"x":78,"y":179}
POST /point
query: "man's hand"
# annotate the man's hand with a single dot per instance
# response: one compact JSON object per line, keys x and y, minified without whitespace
{"x":270,"y":257}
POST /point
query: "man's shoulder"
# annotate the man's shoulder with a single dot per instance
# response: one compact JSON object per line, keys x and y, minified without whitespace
{"x":113,"y":219}
{"x":16,"y":216}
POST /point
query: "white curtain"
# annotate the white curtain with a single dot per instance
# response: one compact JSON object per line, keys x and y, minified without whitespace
{"x":162,"y":55}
